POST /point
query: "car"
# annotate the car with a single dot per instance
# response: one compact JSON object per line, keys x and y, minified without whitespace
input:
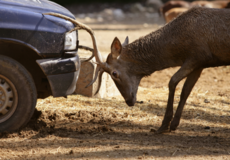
{"x":38,"y":58}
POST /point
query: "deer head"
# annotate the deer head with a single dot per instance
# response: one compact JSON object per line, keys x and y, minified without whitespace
{"x":120,"y":70}
{"x":126,"y":82}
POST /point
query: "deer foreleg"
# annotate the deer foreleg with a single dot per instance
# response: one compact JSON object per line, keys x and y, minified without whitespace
{"x":187,"y":88}
{"x":183,"y":72}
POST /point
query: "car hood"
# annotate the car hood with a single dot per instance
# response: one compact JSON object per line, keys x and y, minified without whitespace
{"x":40,"y":6}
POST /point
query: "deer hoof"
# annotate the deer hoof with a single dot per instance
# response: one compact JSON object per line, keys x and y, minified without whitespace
{"x":172,"y":128}
{"x":174,"y":125}
{"x":162,"y":129}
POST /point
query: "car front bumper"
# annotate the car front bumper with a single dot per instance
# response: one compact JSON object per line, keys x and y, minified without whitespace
{"x":62,"y":74}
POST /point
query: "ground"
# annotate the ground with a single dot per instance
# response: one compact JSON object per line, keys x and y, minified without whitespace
{"x":90,"y":128}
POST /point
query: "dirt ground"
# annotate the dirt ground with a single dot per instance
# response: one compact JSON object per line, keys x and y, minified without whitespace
{"x":89,"y":128}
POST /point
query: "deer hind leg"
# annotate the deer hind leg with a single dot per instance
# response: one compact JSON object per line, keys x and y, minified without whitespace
{"x":183,"y":72}
{"x":187,"y":88}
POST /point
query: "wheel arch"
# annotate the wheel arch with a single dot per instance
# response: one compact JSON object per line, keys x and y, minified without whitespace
{"x":27,"y":55}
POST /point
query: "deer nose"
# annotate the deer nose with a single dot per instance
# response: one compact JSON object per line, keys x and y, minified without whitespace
{"x":130,"y":102}
{"x":130,"y":99}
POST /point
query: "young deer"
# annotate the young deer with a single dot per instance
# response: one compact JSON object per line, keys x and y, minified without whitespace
{"x":197,"y":39}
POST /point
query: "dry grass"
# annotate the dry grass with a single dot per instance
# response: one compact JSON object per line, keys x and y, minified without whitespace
{"x":202,"y":108}
{"x":89,"y":128}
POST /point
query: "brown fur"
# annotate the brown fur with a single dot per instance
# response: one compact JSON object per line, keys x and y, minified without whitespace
{"x":195,"y":34}
{"x":173,"y":13}
{"x":197,"y":39}
{"x":211,"y":4}
{"x":172,"y":9}
{"x":173,"y":4}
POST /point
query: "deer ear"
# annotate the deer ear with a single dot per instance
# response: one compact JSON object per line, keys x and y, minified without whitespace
{"x":116,"y":48}
{"x":126,"y":42}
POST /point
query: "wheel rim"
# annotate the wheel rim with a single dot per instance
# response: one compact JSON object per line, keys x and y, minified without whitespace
{"x":8,"y":98}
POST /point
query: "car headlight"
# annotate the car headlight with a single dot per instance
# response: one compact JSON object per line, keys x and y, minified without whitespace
{"x":70,"y":41}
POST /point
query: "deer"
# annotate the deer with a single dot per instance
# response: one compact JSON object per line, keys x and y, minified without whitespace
{"x":173,"y":13}
{"x":197,"y":39}
{"x":172,"y":4}
{"x":211,"y":4}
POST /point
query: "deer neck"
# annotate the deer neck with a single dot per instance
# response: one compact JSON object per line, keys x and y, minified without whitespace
{"x":148,"y":54}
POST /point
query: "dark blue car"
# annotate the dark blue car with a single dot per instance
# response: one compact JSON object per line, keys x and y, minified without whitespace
{"x":37,"y":58}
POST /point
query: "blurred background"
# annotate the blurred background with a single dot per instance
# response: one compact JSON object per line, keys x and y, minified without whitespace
{"x":63,"y":2}
{"x":134,"y":11}
{"x":103,"y":11}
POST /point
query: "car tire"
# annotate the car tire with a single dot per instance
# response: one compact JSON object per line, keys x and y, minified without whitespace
{"x":18,"y":95}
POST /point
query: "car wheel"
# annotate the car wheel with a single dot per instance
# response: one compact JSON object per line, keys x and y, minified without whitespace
{"x":18,"y":95}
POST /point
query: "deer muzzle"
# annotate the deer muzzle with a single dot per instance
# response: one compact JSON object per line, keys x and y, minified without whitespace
{"x":131,"y":101}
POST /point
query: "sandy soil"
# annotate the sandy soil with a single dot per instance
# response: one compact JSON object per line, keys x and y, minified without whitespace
{"x":88,"y":128}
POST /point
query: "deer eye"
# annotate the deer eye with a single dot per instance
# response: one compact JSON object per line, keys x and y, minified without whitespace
{"x":114,"y":73}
